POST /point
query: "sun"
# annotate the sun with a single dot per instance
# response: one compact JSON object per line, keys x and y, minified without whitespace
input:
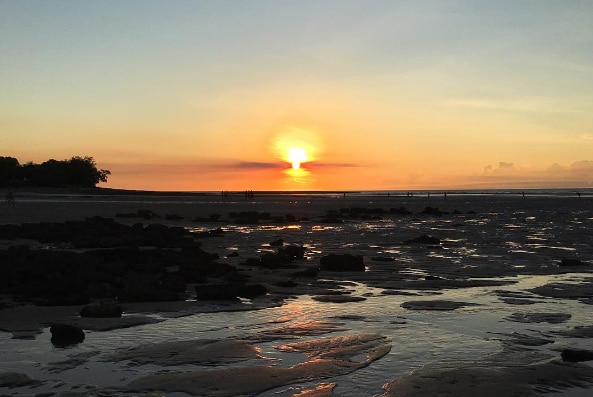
{"x":296,"y":155}
{"x":296,"y":146}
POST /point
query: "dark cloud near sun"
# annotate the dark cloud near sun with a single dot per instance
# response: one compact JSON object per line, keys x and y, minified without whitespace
{"x":262,"y":165}
{"x":257,"y":165}
{"x":330,"y":165}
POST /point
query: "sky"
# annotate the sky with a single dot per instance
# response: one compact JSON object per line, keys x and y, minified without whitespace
{"x":378,"y":94}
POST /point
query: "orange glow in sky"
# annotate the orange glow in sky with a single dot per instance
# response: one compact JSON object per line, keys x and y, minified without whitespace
{"x":395,"y":96}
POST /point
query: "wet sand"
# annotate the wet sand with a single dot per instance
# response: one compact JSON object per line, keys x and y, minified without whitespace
{"x":491,"y":305}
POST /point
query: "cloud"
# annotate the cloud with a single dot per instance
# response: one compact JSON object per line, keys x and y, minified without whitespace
{"x":256,"y":165}
{"x":507,"y":175}
{"x":580,"y":167}
{"x":315,"y":164}
{"x":503,"y":167}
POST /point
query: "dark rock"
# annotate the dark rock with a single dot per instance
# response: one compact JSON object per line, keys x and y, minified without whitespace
{"x":290,"y":218}
{"x":400,"y":211}
{"x":572,"y":262}
{"x":342,"y":263}
{"x":332,"y":217}
{"x":281,"y":259}
{"x":63,"y":335}
{"x":291,"y":253}
{"x":576,"y":355}
{"x":433,"y":211}
{"x":173,"y":217}
{"x":228,"y":291}
{"x":424,"y":239}
{"x":251,"y":291}
{"x":146,"y":287}
{"x":277,"y":243}
{"x":337,"y":298}
{"x":102,"y":310}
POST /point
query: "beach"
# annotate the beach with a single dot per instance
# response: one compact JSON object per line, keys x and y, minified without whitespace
{"x":310,"y":294}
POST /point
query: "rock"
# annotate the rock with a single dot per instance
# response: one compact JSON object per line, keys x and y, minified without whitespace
{"x":286,"y":284}
{"x":63,"y":335}
{"x":16,"y":379}
{"x":102,"y":310}
{"x":277,"y":243}
{"x":251,"y":291}
{"x":433,"y":305}
{"x":281,"y":259}
{"x":433,"y":211}
{"x":424,"y":239}
{"x":173,"y":217}
{"x":400,"y":211}
{"x":291,"y":252}
{"x":572,"y":262}
{"x":576,"y":355}
{"x":337,"y":298}
{"x":290,"y":218}
{"x":228,"y":291}
{"x":550,"y":318}
{"x":342,"y":263}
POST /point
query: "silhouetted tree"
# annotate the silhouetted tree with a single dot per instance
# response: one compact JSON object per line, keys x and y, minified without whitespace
{"x":9,"y":171}
{"x":82,"y":171}
{"x":77,"y":171}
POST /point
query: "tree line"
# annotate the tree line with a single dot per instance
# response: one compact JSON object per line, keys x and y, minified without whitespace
{"x":74,"y":172}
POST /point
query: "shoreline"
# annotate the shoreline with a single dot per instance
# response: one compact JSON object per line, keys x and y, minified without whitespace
{"x":103,"y":191}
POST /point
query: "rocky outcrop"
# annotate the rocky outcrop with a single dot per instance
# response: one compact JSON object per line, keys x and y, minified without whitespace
{"x":576,"y":355}
{"x":568,"y":262}
{"x":342,"y":263}
{"x":63,"y":335}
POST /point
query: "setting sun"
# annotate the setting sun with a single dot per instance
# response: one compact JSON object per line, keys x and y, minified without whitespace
{"x":296,"y":156}
{"x":296,"y":146}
